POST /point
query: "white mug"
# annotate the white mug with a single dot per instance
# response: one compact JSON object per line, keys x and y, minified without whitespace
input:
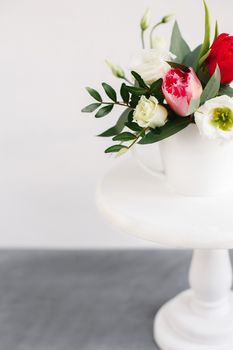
{"x":193,"y":165}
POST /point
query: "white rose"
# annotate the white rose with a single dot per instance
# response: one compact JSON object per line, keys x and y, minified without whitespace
{"x":149,"y":113}
{"x":151,"y":64}
{"x":214,"y":119}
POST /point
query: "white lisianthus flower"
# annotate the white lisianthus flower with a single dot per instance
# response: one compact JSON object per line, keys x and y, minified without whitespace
{"x":214,"y":119}
{"x":149,"y":113}
{"x":160,"y":43}
{"x":151,"y":64}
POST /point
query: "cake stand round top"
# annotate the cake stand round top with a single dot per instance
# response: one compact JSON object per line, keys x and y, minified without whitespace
{"x":143,"y":205}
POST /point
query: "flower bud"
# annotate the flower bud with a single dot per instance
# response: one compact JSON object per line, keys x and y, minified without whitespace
{"x":117,"y":71}
{"x":145,"y":21}
{"x":121,"y":152}
{"x":167,"y":19}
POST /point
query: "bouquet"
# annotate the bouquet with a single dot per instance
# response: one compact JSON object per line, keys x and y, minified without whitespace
{"x":170,"y":89}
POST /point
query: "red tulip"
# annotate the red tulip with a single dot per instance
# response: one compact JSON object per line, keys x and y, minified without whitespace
{"x":180,"y":88}
{"x":221,"y":54}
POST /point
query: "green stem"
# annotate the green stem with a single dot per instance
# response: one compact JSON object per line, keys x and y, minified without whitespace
{"x":142,"y":38}
{"x":152,"y":32}
{"x":128,"y":81}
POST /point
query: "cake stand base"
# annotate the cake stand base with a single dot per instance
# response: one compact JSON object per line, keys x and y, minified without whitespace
{"x":200,"y":318}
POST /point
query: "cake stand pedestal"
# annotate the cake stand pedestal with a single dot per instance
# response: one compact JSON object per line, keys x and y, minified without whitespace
{"x":200,"y":318}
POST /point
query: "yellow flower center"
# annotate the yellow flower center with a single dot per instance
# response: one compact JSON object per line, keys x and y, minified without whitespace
{"x":222,"y":118}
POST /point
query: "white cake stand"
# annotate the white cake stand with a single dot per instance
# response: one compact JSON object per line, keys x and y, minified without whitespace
{"x":200,"y":318}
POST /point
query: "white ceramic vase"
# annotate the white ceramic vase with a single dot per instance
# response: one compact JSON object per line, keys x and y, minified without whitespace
{"x":193,"y":165}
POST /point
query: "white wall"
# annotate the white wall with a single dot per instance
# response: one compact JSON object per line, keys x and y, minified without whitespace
{"x":50,"y":159}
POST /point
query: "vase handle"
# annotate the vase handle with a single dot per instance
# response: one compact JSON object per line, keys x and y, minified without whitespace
{"x":147,"y":168}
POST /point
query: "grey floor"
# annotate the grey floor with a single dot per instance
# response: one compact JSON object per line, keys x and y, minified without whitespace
{"x":87,"y":300}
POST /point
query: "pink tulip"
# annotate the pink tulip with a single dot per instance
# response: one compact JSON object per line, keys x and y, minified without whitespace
{"x":180,"y":88}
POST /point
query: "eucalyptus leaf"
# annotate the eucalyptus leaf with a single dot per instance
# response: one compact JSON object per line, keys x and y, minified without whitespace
{"x":124,"y":136}
{"x":194,"y":104}
{"x":212,"y":88}
{"x":178,"y":47}
{"x":91,"y":108}
{"x":170,"y":128}
{"x":94,"y":94}
{"x":111,"y":93}
{"x":102,"y":112}
{"x":115,"y":148}
{"x":226,"y":90}
{"x":191,"y":59}
{"x":119,"y":126}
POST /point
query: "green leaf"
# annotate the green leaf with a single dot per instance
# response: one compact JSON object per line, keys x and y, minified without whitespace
{"x":119,"y":126}
{"x":212,"y":88}
{"x":91,"y":108}
{"x":156,"y":90}
{"x":170,"y":128}
{"x":206,"y":44}
{"x":124,"y":136}
{"x":191,"y":59}
{"x":216,"y":31}
{"x":139,"y":79}
{"x":104,"y":111}
{"x":226,"y":90}
{"x":114,"y":149}
{"x":203,"y":75}
{"x":130,"y":116}
{"x":133,"y":126}
{"x":136,"y":90}
{"x":94,"y":94}
{"x":178,"y":47}
{"x":194,"y":104}
{"x":156,"y":86}
{"x":178,"y":65}
{"x":124,"y":93}
{"x":203,"y":58}
{"x":134,"y":101}
{"x":110,"y":92}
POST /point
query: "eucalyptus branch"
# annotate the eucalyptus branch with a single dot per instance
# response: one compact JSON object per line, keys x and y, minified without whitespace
{"x":116,"y":103}
{"x":138,"y":137}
